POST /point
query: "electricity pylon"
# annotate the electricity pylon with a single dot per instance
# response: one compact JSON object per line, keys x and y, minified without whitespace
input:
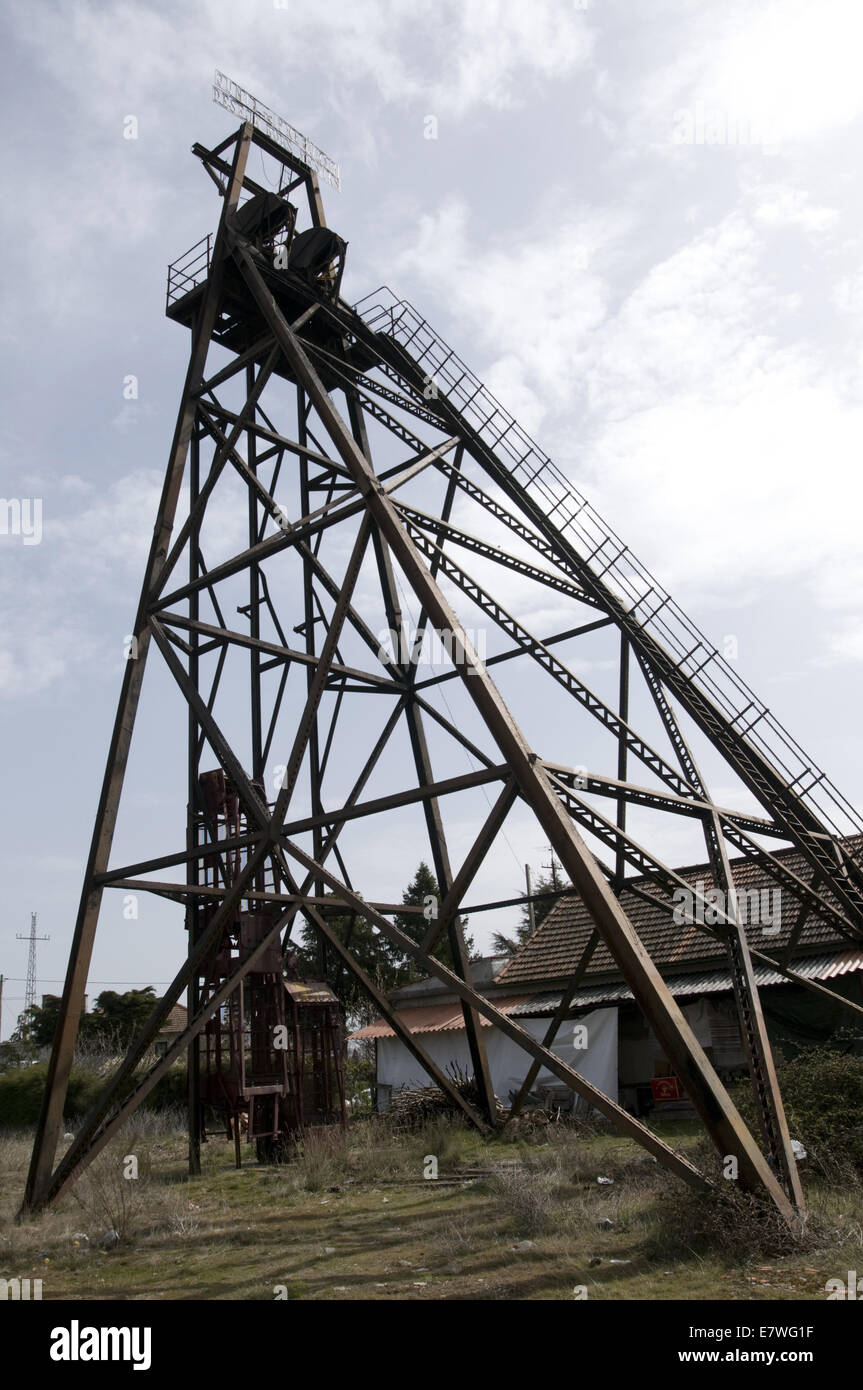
{"x":30,"y":987}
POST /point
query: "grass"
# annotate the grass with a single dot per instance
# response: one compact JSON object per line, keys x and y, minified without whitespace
{"x":354,"y":1218}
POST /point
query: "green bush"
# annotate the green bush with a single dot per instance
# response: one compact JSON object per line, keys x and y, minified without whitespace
{"x":360,"y":1078}
{"x":822,"y":1090}
{"x":171,"y":1093}
{"x":823,"y":1094}
{"x":21,"y":1093}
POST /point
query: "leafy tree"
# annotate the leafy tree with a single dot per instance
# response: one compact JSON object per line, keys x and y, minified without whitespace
{"x":38,"y":1024}
{"x":16,"y":1053}
{"x":377,"y":957}
{"x":118,"y":1018}
{"x":503,"y":945}
{"x":115,"y":1019}
{"x":385,"y":964}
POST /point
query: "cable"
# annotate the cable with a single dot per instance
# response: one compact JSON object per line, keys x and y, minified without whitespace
{"x":61,"y":980}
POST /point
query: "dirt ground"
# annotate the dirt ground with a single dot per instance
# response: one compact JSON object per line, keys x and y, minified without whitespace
{"x":520,"y":1219}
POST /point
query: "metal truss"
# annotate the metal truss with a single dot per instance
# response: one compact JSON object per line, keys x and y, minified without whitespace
{"x":356,"y":527}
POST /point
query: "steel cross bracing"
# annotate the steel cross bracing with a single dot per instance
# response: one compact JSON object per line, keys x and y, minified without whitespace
{"x":302,"y":416}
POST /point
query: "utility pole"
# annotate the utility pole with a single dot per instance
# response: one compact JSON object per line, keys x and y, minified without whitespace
{"x":530,"y":911}
{"x":552,"y":867}
{"x":30,"y":988}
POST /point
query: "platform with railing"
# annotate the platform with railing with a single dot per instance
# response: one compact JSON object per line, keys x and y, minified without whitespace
{"x":189,"y":271}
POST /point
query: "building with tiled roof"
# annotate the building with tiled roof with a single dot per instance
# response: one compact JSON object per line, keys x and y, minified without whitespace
{"x":174,"y":1025}
{"x":693,"y":962}
{"x":553,"y":951}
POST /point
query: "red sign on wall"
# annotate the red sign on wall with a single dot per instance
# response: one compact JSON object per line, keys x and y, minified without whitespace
{"x":666,"y":1088}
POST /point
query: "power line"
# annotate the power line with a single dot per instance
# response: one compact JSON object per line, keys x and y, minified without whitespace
{"x":59,"y":979}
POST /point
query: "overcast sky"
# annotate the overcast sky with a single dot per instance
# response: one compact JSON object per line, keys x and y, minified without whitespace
{"x":641,"y":225}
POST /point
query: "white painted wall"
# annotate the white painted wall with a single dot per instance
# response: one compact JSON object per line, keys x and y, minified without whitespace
{"x":509,"y":1063}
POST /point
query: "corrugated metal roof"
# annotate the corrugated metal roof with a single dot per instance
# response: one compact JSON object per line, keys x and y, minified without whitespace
{"x":435,"y":1018}
{"x":553,"y":950}
{"x":826,"y":967}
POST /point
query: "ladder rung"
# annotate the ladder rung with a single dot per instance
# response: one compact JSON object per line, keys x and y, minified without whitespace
{"x":535,"y":474}
{"x":745,"y":710}
{"x":503,"y":434}
{"x":659,"y":609}
{"x":704,"y":663}
{"x":612,"y":561}
{"x":689,"y":655}
{"x":595,"y":552}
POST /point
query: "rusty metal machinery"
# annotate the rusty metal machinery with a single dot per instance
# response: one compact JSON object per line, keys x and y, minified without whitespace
{"x":369,"y":457}
{"x":269,"y":1060}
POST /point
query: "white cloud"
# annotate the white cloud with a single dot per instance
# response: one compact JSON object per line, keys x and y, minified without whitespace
{"x":792,"y":67}
{"x":696,"y":317}
{"x":461,"y":54}
{"x":71,"y":599}
{"x":533,"y":299}
{"x":778,"y":205}
{"x":696,"y":411}
{"x":847,"y":295}
{"x":781,"y":74}
{"x":845,"y":644}
{"x":723,"y":494}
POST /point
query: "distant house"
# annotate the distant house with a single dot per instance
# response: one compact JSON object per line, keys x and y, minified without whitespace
{"x":174,"y":1025}
{"x":623,"y":1057}
{"x":435,"y":1015}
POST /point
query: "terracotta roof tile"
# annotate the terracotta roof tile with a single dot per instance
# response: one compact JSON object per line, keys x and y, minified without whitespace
{"x":555,"y":947}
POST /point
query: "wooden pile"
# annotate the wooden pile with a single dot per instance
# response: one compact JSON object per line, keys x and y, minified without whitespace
{"x":413,"y":1106}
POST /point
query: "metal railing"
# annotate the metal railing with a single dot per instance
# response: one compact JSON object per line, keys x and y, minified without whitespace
{"x":607,"y":557}
{"x":189,"y":270}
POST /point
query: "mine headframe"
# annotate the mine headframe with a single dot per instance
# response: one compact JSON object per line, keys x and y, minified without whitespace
{"x":266,"y":287}
{"x":296,"y":263}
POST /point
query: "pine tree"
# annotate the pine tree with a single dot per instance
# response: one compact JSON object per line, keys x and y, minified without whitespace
{"x":382,"y":962}
{"x":385,"y":964}
{"x":423,"y":891}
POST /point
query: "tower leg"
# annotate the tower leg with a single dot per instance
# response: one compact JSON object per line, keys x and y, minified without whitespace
{"x":71,"y":1004}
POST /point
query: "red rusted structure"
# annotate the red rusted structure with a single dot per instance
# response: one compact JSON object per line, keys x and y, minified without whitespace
{"x":270,"y":1058}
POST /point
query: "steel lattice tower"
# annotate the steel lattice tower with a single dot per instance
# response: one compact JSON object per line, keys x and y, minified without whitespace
{"x":30,"y":987}
{"x":373,"y":467}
